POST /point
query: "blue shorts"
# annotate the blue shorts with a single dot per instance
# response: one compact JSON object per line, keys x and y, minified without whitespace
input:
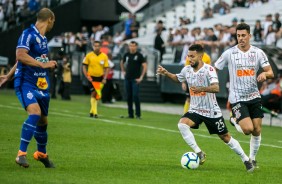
{"x":27,"y":96}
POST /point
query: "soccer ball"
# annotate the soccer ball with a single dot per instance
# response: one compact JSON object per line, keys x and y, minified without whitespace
{"x":190,"y":160}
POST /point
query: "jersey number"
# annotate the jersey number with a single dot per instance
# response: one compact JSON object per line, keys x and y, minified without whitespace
{"x":220,"y":125}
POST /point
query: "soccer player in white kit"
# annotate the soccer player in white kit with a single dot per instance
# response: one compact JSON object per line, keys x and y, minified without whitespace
{"x":243,"y":62}
{"x":203,"y":84}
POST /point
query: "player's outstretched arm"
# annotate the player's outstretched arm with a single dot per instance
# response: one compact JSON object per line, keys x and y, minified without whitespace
{"x":5,"y":78}
{"x":162,"y":71}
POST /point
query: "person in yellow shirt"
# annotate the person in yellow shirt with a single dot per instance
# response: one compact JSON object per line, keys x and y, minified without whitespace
{"x":95,"y":68}
{"x":66,"y":78}
{"x":206,"y":59}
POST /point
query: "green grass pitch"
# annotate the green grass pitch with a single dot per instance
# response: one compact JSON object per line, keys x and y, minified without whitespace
{"x":115,"y":150}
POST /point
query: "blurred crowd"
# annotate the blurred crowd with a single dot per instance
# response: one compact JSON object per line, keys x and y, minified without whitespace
{"x":271,"y":94}
{"x":13,"y":12}
{"x":218,"y":38}
{"x":220,"y":7}
{"x":215,"y":39}
{"x":248,"y":3}
{"x":81,"y":41}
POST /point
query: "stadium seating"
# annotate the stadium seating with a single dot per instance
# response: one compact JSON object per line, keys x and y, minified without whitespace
{"x":194,"y":9}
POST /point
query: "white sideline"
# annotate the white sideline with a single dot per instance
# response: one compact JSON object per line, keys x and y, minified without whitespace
{"x":135,"y":125}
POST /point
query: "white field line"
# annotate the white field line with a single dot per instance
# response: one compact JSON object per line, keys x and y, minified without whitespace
{"x":136,"y":125}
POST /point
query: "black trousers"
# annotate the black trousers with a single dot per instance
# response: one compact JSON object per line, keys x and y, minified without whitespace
{"x":107,"y":91}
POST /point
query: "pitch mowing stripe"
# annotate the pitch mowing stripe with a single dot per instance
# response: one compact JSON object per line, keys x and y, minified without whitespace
{"x":136,"y":125}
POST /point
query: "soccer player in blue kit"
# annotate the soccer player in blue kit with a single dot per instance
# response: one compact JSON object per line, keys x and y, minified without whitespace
{"x":32,"y":86}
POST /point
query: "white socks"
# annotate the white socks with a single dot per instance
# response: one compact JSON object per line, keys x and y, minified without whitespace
{"x":254,"y":146}
{"x":236,"y":147}
{"x":233,"y":143}
{"x":188,"y":137}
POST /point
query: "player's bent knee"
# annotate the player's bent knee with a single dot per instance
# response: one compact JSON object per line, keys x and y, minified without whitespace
{"x":247,"y":131}
{"x":186,"y":121}
{"x":225,"y":137}
{"x":257,"y":129}
{"x":33,"y":109}
{"x":247,"y":128}
{"x":43,"y":121}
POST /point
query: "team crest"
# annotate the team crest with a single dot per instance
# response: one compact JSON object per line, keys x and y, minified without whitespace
{"x":38,"y":40}
{"x":29,"y":95}
{"x":237,"y":114}
{"x":252,"y":58}
{"x":200,"y":78}
{"x":133,"y":5}
{"x":133,"y":2}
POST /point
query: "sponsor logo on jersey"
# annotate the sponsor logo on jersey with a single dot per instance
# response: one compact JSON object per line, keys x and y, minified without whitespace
{"x":42,"y":83}
{"x":43,"y":58}
{"x":251,"y":95}
{"x":40,"y":74}
{"x":204,"y":111}
{"x":245,"y":72}
{"x":192,"y":93}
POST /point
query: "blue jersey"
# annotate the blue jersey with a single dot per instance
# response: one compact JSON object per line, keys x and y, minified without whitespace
{"x":30,"y":76}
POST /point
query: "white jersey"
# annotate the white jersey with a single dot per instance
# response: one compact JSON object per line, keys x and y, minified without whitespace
{"x":243,"y":67}
{"x":203,"y":103}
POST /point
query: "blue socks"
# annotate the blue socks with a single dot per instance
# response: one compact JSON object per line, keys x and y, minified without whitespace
{"x":40,"y":135}
{"x":28,"y":128}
